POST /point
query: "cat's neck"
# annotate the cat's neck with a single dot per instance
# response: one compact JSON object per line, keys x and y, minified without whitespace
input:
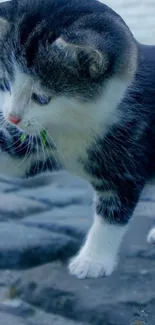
{"x":91,"y":119}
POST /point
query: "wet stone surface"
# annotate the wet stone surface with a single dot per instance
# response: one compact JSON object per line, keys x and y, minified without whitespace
{"x":38,"y":236}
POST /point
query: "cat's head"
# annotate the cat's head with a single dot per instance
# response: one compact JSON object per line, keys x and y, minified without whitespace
{"x":63,"y":63}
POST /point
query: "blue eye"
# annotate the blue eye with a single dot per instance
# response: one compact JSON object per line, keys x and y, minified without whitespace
{"x":4,"y":85}
{"x":41,"y":100}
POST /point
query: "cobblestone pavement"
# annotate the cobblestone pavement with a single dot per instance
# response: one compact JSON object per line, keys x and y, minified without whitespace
{"x":41,"y":227}
{"x":43,"y":223}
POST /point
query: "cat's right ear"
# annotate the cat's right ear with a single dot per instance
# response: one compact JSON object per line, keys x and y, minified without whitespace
{"x":89,"y":60}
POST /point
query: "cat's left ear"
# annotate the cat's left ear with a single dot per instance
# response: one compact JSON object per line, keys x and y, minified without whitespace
{"x":90,"y":60}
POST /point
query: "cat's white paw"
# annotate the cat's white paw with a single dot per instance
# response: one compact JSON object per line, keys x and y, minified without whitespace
{"x":151,"y":236}
{"x":98,"y":256}
{"x":84,"y":266}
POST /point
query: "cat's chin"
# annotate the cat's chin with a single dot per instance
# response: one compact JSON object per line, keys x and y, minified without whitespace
{"x":29,"y":129}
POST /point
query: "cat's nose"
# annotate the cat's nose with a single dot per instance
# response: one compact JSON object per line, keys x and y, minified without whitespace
{"x":14,"y":119}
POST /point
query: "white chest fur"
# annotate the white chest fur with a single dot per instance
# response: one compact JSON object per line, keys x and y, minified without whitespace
{"x":71,"y":147}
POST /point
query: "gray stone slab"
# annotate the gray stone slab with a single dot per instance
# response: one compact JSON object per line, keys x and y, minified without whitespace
{"x":14,"y":206}
{"x":38,"y":180}
{"x":33,"y":315}
{"x":16,"y":307}
{"x":126,"y":297}
{"x":146,"y":209}
{"x":56,"y":179}
{"x":63,"y":179}
{"x":8,"y":319}
{"x":22,"y":246}
{"x":7,"y":277}
{"x":59,"y":196}
{"x":4,"y":187}
{"x":72,"y":220}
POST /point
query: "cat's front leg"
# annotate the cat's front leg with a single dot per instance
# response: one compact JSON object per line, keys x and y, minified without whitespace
{"x":99,"y":255}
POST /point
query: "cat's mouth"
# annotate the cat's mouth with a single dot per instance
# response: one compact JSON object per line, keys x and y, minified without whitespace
{"x":28,"y":127}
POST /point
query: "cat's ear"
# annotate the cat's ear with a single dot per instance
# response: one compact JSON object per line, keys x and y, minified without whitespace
{"x":91,"y":61}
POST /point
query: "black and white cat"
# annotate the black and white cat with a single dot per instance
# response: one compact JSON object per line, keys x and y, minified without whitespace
{"x":73,"y":69}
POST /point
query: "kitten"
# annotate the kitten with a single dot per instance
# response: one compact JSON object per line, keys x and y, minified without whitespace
{"x":74,"y":69}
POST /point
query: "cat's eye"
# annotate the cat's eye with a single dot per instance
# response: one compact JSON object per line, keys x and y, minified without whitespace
{"x":4,"y":85}
{"x":41,"y":100}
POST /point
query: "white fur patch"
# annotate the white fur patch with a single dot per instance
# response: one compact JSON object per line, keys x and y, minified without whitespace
{"x":151,"y":236}
{"x":17,"y":100}
{"x":98,"y":256}
{"x":73,"y":125}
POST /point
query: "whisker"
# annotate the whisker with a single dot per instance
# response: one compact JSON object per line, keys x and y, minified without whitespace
{"x":50,"y":141}
{"x":37,"y":162}
{"x":43,"y":150}
{"x":28,"y":151}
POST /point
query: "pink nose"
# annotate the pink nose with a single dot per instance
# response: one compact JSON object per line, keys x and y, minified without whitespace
{"x":14,"y":119}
